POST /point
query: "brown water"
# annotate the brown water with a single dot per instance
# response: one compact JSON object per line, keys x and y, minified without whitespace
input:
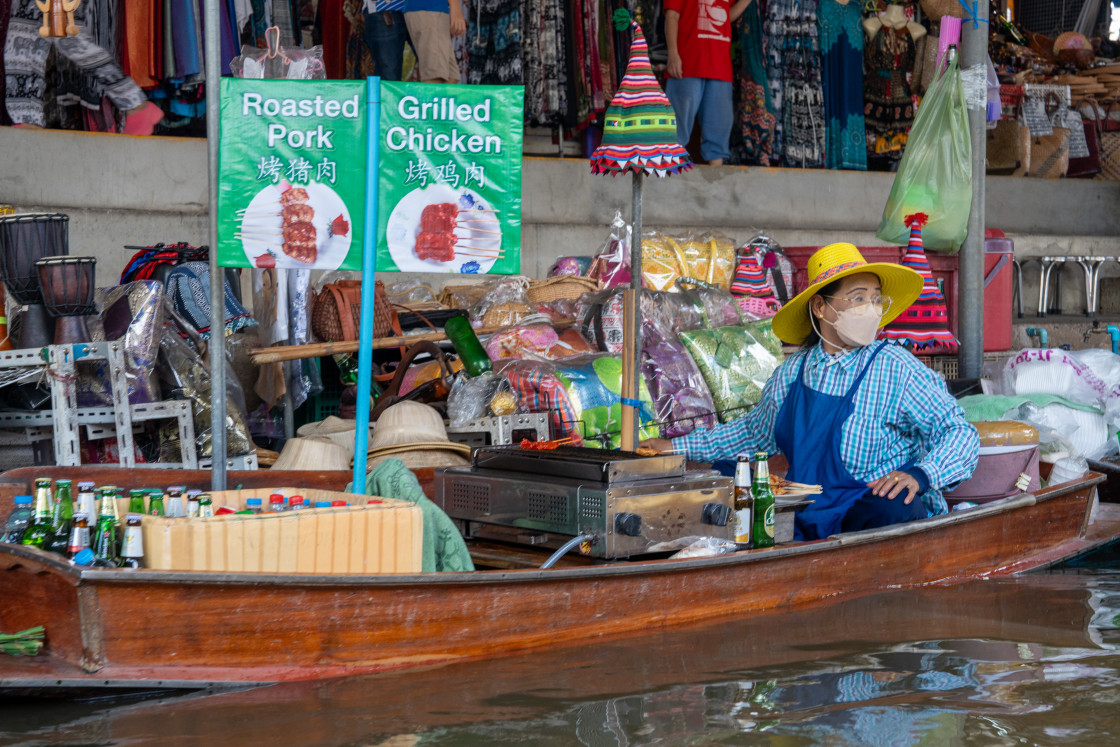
{"x":1013,"y":662}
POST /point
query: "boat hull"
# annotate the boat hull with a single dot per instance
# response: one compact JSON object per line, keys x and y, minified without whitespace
{"x":223,"y":628}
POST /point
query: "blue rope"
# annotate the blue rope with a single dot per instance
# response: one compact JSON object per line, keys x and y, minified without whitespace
{"x":971,"y":14}
{"x":638,"y":405}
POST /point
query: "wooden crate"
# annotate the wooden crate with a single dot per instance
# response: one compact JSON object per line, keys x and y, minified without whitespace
{"x":382,"y":537}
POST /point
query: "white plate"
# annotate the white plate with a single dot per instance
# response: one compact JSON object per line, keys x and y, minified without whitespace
{"x":795,"y":496}
{"x":261,"y":227}
{"x":404,"y":225}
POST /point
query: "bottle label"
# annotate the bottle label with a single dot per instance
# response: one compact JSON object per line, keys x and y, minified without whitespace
{"x":192,"y":509}
{"x":743,"y":526}
{"x":79,"y":540}
{"x":742,"y":475}
{"x":768,"y":521}
{"x":133,"y":546}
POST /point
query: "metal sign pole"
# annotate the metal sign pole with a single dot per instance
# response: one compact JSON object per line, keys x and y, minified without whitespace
{"x":369,"y":243}
{"x":217,"y":276}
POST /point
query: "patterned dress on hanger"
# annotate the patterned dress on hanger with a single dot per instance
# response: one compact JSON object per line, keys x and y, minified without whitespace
{"x":888,"y":105}
{"x":544,"y":61}
{"x":753,"y":142}
{"x":841,"y":35}
{"x":495,"y":43}
{"x":803,"y":121}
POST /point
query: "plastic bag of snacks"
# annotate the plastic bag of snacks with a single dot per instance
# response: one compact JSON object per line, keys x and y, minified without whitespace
{"x":709,"y":257}
{"x":611,"y":266}
{"x":681,"y":402}
{"x":470,"y":397}
{"x":735,"y":363}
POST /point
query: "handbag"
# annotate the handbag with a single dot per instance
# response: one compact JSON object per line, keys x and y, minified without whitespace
{"x":336,"y":312}
{"x":1004,"y":151}
{"x":1110,"y":156}
{"x":1090,"y":165}
{"x":1049,"y":154}
{"x":1111,"y":121}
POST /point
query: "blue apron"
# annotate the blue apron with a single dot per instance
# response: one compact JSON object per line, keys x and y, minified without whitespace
{"x":809,"y":432}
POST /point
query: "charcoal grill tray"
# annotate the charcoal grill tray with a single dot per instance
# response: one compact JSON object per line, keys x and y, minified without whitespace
{"x":579,"y":463}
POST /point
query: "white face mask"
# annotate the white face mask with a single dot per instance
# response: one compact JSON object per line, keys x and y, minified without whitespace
{"x":856,"y":327}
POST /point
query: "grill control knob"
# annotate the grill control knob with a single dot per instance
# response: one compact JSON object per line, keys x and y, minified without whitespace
{"x":717,"y":514}
{"x":628,"y":524}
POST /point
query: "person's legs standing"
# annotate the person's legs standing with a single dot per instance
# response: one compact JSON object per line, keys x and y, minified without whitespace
{"x":684,"y":94}
{"x":430,"y":32}
{"x":385,"y":36}
{"x":716,"y":117}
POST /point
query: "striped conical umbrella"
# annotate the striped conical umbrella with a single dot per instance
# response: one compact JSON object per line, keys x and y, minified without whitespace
{"x":640,"y":127}
{"x":926,"y":323}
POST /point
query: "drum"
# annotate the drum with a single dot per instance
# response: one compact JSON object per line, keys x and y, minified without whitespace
{"x":25,"y":239}
{"x":67,"y":285}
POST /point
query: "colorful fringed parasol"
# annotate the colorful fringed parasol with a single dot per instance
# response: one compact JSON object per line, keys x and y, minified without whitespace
{"x":925,"y":325}
{"x":639,"y":137}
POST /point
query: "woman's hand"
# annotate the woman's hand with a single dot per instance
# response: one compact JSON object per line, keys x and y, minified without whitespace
{"x":661,"y":445}
{"x":892,"y":485}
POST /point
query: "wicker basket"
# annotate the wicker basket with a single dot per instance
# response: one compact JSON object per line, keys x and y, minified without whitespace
{"x":560,"y":288}
{"x":504,"y":314}
{"x":935,"y":9}
{"x":462,"y":295}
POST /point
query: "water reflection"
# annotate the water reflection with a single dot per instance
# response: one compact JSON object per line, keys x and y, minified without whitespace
{"x":989,"y":663}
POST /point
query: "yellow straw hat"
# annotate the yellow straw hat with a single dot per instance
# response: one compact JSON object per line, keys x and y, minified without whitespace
{"x":833,"y":262}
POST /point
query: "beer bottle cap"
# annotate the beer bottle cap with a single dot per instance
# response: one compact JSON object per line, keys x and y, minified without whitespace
{"x":21,"y":499}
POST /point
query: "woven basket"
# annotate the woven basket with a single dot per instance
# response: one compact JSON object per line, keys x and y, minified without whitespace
{"x":504,"y":314}
{"x":560,"y":288}
{"x":935,"y":9}
{"x":462,"y":295}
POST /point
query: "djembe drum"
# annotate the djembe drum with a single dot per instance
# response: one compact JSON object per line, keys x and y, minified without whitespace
{"x":25,"y":239}
{"x":68,"y":287}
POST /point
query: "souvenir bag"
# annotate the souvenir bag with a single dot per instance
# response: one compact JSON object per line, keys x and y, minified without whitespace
{"x":935,"y":174}
{"x":1049,"y":154}
{"x":336,"y":312}
{"x":1089,"y":165}
{"x":1110,"y":156}
{"x":751,"y":288}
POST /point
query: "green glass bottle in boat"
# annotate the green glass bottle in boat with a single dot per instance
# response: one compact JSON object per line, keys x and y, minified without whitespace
{"x":62,"y":518}
{"x":39,"y":533}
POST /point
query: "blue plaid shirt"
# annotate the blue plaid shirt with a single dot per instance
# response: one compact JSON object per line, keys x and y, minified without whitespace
{"x":902,"y":413}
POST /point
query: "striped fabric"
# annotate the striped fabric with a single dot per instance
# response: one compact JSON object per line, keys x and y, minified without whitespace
{"x":925,"y":325}
{"x":750,"y":278}
{"x":902,"y":413}
{"x":640,"y":126}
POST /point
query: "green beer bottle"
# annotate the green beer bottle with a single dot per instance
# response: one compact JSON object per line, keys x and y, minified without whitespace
{"x":105,"y":537}
{"x":763,"y":502}
{"x":155,"y":503}
{"x":62,"y":518}
{"x":466,"y":344}
{"x":136,"y":500}
{"x":39,"y":533}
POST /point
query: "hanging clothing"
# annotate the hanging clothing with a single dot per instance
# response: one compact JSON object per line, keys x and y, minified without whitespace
{"x":495,"y":43}
{"x":544,"y":64}
{"x":841,"y":38}
{"x":888,"y":105}
{"x":5,"y":17}
{"x":752,"y":141}
{"x":25,"y":56}
{"x":803,"y":121}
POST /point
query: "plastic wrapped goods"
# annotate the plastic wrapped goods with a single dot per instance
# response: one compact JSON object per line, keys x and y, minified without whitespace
{"x":720,"y":308}
{"x":470,"y":398}
{"x":681,"y":402}
{"x":611,"y":266}
{"x":538,"y":340}
{"x":600,"y":315}
{"x":1058,"y":372}
{"x":503,"y":304}
{"x":133,"y":314}
{"x":582,"y":397}
{"x":709,"y":258}
{"x":735,"y":363}
{"x":185,"y":376}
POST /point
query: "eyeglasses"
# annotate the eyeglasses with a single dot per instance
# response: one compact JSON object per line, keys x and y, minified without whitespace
{"x":860,"y":300}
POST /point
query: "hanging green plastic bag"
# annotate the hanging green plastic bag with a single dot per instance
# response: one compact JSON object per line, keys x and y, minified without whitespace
{"x":935,"y":174}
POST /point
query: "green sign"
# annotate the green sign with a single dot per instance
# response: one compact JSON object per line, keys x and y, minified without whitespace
{"x":292,"y":164}
{"x":450,"y":178}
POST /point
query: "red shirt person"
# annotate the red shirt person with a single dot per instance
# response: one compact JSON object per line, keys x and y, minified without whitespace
{"x":698,"y":34}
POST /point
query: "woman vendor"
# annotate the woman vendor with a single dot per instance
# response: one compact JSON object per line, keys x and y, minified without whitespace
{"x":863,"y":419}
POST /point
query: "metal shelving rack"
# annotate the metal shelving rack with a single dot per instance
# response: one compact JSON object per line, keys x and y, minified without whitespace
{"x":59,"y":363}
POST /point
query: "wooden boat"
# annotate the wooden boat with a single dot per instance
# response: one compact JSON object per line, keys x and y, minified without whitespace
{"x":169,"y":629}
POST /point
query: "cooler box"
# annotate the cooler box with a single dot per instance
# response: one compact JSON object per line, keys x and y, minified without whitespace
{"x":381,"y":537}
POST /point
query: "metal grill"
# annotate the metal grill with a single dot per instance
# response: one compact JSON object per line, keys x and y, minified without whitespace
{"x":548,"y":507}
{"x":472,"y":497}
